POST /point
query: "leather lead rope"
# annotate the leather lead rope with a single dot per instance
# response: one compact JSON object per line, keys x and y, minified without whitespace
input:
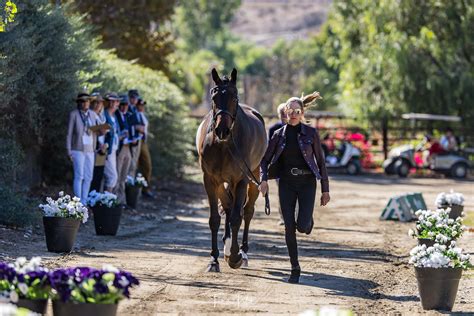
{"x":248,"y":173}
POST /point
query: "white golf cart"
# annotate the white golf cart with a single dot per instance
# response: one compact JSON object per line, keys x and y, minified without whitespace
{"x":401,"y":159}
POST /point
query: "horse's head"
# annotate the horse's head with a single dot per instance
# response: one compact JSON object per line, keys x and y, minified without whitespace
{"x":225,"y":103}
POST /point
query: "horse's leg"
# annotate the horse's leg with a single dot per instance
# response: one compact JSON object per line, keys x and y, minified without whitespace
{"x":249,"y":210}
{"x":214,"y":222}
{"x":226,"y":203}
{"x":235,"y":259}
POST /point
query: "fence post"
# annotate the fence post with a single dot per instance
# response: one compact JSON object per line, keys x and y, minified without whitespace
{"x":385,"y":136}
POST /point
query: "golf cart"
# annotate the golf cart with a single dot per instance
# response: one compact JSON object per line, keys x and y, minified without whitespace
{"x":401,"y":159}
{"x":346,"y":157}
{"x":348,"y":160}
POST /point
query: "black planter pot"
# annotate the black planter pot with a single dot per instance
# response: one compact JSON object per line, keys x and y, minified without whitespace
{"x":106,"y":220}
{"x":60,"y":233}
{"x":37,"y":306}
{"x":427,"y":242}
{"x":456,"y":210}
{"x":72,"y":309}
{"x":438,"y":287}
{"x":132,"y":193}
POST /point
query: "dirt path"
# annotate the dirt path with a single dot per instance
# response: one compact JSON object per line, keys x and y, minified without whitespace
{"x":351,"y":260}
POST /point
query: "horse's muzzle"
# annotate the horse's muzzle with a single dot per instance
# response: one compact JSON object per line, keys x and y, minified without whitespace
{"x":223,"y":133}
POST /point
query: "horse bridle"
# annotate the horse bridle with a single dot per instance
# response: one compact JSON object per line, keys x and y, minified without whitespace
{"x":222,"y":111}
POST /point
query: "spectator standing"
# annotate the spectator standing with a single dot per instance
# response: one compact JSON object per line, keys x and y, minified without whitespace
{"x":80,"y":144}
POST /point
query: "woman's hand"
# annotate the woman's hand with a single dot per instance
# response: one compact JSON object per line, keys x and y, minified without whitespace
{"x":325,"y":198}
{"x":263,"y":187}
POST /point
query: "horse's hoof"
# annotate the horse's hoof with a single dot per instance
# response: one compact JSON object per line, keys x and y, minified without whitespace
{"x":213,"y":267}
{"x":235,"y":264}
{"x":226,"y":258}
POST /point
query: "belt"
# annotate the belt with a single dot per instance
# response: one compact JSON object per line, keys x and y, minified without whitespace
{"x":300,"y":172}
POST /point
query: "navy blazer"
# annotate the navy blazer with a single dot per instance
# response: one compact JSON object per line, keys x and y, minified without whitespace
{"x":123,"y":125}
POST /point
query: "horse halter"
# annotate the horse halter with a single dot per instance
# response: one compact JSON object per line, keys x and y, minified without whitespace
{"x":221,"y":90}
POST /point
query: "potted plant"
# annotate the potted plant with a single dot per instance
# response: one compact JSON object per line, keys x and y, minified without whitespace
{"x":438,"y":270}
{"x":436,"y":227}
{"x":30,"y":286}
{"x":89,"y":291}
{"x":452,"y":200}
{"x":7,"y":277}
{"x":106,"y":210}
{"x":133,"y":189}
{"x":61,"y":220}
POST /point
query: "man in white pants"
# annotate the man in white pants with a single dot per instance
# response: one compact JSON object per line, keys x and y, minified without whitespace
{"x":80,"y":144}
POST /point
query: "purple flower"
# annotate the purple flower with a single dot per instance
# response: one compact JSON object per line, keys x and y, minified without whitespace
{"x":7,"y":272}
{"x":101,"y":288}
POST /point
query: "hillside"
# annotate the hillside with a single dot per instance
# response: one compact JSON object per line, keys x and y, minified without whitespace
{"x":265,"y":21}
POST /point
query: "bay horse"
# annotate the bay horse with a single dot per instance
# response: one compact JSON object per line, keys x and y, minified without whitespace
{"x":231,"y":142}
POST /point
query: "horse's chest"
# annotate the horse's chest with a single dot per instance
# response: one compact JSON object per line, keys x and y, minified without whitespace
{"x":218,"y":163}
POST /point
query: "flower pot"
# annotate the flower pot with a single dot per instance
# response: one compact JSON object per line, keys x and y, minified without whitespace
{"x":427,"y":242}
{"x":106,"y":220}
{"x":438,"y":287}
{"x":60,"y":233}
{"x":37,"y":306}
{"x":132,"y":193}
{"x":79,"y":309}
{"x":456,"y":210}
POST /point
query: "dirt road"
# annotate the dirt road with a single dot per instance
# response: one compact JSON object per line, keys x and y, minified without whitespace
{"x":351,"y":260}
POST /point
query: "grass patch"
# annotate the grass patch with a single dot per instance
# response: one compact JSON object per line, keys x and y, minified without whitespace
{"x":469,"y":219}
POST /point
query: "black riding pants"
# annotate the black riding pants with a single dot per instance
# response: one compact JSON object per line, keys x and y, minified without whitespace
{"x":290,"y":190}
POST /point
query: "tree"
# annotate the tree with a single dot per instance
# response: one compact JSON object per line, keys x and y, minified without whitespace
{"x":133,"y":28}
{"x":405,"y":56}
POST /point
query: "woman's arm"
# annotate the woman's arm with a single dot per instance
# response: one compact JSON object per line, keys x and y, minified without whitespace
{"x":267,"y":158}
{"x":321,"y":161}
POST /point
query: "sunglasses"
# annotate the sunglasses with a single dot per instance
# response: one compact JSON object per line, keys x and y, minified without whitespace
{"x":294,"y":111}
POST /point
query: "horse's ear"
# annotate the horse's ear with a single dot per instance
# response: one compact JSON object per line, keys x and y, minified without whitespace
{"x":215,"y":77}
{"x":233,"y":76}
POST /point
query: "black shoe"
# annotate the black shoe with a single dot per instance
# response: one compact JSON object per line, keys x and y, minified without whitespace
{"x":295,"y":276}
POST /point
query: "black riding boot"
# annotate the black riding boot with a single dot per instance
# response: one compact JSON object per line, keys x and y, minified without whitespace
{"x":295,"y":275}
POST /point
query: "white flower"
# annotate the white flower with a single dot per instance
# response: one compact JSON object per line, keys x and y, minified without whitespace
{"x":110,"y":268}
{"x":23,"y":288}
{"x":14,"y":297}
{"x":123,"y":281}
{"x":21,"y":261}
{"x":451,"y":198}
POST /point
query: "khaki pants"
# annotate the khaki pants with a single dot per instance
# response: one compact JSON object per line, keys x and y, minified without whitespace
{"x":144,"y":164}
{"x":124,"y":159}
{"x":134,"y":162}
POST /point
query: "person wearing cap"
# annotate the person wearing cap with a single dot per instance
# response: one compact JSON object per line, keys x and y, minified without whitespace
{"x":97,"y":105}
{"x":124,"y":156}
{"x":144,"y":160}
{"x":80,"y":144}
{"x":137,"y":129}
{"x":112,"y":101}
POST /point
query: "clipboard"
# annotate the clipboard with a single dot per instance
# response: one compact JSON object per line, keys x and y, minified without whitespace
{"x":96,"y":128}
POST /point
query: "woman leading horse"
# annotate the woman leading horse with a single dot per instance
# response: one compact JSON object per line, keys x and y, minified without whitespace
{"x":294,"y":155}
{"x":231,"y":142}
